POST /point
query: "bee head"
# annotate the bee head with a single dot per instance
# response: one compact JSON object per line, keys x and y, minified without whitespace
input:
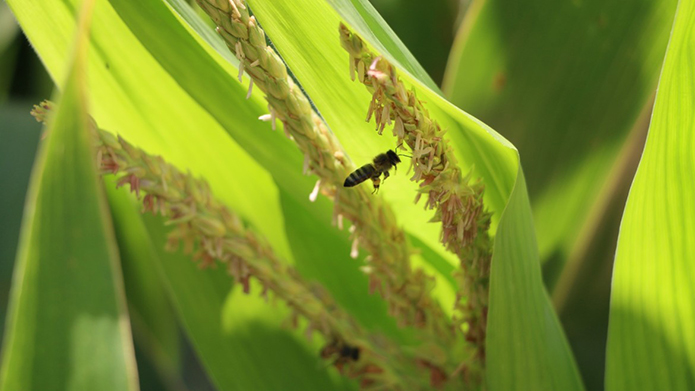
{"x":393,"y":157}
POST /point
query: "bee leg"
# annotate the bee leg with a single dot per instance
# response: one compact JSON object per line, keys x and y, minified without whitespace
{"x":376,"y":181}
{"x":386,"y":174}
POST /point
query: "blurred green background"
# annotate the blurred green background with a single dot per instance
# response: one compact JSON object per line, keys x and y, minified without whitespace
{"x":428,"y":29}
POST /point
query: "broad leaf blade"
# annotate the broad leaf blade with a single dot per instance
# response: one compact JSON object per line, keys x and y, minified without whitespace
{"x":155,"y":327}
{"x":566,"y":82}
{"x":573,"y":92}
{"x":322,"y":68}
{"x":651,"y":345}
{"x":526,"y":347}
{"x":68,"y":329}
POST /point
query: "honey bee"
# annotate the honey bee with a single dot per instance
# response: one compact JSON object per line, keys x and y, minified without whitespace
{"x":381,"y":164}
{"x":341,"y":352}
{"x":350,"y":352}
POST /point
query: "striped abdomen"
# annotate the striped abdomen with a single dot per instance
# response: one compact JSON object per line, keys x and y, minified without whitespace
{"x":360,"y":175}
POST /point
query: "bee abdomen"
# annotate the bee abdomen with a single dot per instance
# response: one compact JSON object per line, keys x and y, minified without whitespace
{"x":360,"y":175}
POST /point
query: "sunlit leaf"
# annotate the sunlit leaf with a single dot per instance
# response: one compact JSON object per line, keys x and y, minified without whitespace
{"x":566,"y":82}
{"x":572,"y":92}
{"x":651,"y":345}
{"x":68,"y":328}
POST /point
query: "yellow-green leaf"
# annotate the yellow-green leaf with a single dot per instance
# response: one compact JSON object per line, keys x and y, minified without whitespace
{"x":651,"y":343}
{"x":68,"y":328}
{"x":566,"y":82}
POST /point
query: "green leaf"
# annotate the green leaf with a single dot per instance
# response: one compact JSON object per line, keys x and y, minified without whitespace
{"x":651,"y":345}
{"x":431,"y":44}
{"x":523,"y":330}
{"x":8,"y":28}
{"x":155,"y":327}
{"x":363,"y":16}
{"x":239,"y":341}
{"x":517,"y":293}
{"x":151,"y":110}
{"x":68,"y":328}
{"x":19,"y":140}
{"x":9,"y":49}
{"x":571,"y":84}
{"x":566,"y":82}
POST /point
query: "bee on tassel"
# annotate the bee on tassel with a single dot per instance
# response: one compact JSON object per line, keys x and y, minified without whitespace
{"x":381,"y":164}
{"x":340,"y":353}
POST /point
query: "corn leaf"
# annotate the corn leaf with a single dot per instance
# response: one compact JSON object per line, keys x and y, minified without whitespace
{"x":155,"y":327}
{"x":566,"y":82}
{"x":651,"y":345}
{"x":68,"y":328}
{"x":573,"y":92}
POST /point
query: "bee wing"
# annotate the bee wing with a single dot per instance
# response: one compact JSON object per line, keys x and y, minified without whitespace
{"x":360,"y":175}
